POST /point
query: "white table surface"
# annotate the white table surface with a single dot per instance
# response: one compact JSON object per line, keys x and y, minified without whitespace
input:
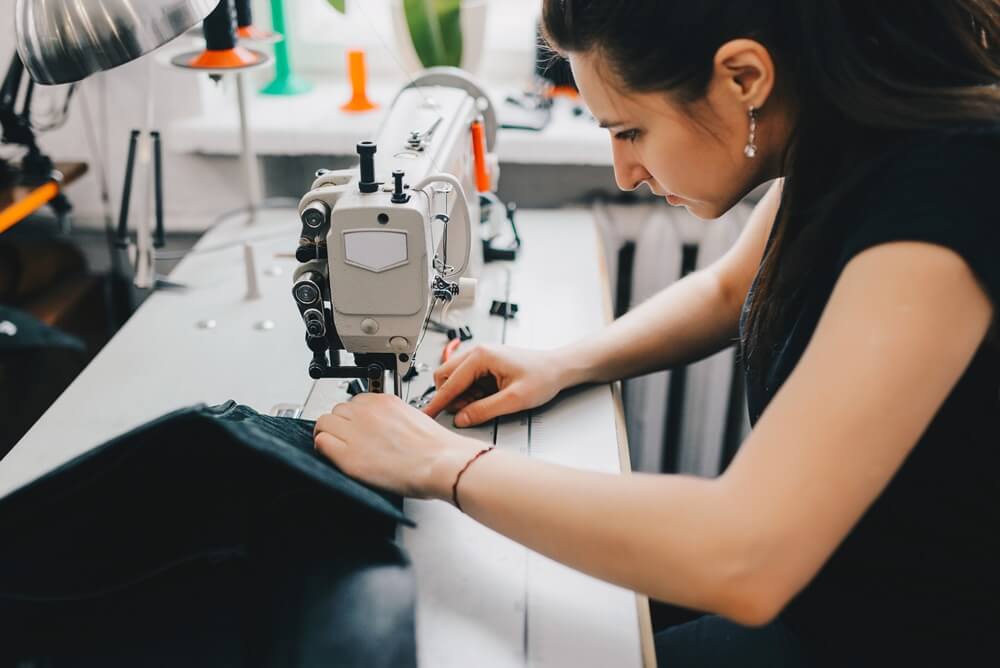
{"x":482,"y":599}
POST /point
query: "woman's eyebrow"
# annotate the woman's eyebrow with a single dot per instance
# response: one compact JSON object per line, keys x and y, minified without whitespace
{"x":611,"y":124}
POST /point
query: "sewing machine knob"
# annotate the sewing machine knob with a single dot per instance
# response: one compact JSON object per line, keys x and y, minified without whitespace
{"x":317,"y":344}
{"x":316,"y":215}
{"x":398,"y":196}
{"x":399,"y":344}
{"x":306,"y":293}
{"x":369,"y":326}
{"x":306,"y":289}
{"x":315,"y":323}
{"x":366,"y":150}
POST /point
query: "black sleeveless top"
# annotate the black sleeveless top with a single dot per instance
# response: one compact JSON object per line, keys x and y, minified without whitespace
{"x":916,"y":581}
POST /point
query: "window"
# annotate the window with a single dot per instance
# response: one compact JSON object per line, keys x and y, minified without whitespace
{"x":320,"y":35}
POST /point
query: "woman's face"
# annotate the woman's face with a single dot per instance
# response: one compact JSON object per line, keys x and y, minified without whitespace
{"x":691,"y":156}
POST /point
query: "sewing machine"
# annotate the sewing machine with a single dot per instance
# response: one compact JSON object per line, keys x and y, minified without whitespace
{"x":384,"y":243}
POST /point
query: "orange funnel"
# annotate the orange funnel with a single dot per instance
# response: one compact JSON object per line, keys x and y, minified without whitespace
{"x":357,"y":72}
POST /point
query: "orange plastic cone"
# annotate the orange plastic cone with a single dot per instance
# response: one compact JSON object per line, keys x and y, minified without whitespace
{"x":356,"y":70}
{"x":479,"y":156}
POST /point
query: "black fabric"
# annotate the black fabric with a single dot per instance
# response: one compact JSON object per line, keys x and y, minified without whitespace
{"x":37,"y":363}
{"x":916,"y":580}
{"x":20,"y":332}
{"x":210,"y":536}
{"x":711,"y":641}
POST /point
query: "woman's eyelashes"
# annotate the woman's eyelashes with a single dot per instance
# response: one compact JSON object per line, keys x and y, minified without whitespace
{"x":627,"y":135}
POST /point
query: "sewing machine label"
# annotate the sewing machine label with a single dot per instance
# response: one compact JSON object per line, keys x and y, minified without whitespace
{"x":375,"y":250}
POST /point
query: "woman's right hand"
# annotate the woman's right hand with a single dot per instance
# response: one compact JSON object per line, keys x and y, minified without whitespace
{"x":488,"y":381}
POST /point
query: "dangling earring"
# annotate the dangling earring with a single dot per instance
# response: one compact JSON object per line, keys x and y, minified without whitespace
{"x":750,"y":150}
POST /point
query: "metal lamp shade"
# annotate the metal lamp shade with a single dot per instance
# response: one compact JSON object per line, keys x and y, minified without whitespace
{"x":61,"y":41}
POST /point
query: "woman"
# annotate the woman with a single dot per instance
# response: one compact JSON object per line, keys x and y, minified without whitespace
{"x":858,"y":524}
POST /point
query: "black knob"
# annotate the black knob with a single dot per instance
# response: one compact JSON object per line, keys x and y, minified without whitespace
{"x":305,"y":253}
{"x":317,"y":344}
{"x":220,"y":27}
{"x":366,"y":150}
{"x":316,"y":370}
{"x":398,"y":196}
{"x":244,"y":14}
{"x":315,"y":323}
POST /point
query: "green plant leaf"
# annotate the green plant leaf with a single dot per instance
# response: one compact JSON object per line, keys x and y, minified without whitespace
{"x":436,"y":30}
{"x":338,"y":5}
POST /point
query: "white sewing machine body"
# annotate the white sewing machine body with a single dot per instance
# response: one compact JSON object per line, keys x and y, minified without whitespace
{"x":382,"y":244}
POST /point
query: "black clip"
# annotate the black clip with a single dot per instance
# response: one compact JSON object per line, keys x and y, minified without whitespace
{"x":505,"y":310}
{"x":463,"y":333}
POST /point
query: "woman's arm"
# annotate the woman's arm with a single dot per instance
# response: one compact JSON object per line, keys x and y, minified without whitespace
{"x":899,"y":330}
{"x":687,"y":321}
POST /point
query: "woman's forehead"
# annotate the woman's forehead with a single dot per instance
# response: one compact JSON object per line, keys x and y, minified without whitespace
{"x":607,"y":98}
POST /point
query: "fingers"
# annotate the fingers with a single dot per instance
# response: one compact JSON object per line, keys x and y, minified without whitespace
{"x":331,"y":446}
{"x":442,"y":373}
{"x":463,"y":376}
{"x":463,"y":401}
{"x":334,"y":423}
{"x":502,"y":403}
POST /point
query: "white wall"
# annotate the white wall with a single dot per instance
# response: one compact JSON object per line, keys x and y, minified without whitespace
{"x":197,"y":187}
{"x":200,"y":187}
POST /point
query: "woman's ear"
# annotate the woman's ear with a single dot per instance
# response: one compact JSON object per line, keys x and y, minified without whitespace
{"x":743,"y":70}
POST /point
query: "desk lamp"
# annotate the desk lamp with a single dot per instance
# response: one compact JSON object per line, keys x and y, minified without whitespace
{"x":63,"y":42}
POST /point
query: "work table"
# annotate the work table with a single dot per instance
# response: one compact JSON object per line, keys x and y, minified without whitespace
{"x":482,"y":599}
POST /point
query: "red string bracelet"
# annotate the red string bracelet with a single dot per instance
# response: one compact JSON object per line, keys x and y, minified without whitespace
{"x":454,"y":487}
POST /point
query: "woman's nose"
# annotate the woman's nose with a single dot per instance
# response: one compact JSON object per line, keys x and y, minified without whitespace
{"x":629,"y":172}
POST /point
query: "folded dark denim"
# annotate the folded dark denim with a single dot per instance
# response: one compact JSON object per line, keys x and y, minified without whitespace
{"x":222,"y":496}
{"x":195,"y":483}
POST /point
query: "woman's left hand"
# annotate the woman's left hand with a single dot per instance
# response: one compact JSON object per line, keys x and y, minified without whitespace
{"x":379,"y":439}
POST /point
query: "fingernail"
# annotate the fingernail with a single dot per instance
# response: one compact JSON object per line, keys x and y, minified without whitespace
{"x":461,"y":420}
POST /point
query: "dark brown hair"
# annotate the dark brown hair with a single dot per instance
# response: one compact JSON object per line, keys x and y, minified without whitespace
{"x":861,"y":73}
